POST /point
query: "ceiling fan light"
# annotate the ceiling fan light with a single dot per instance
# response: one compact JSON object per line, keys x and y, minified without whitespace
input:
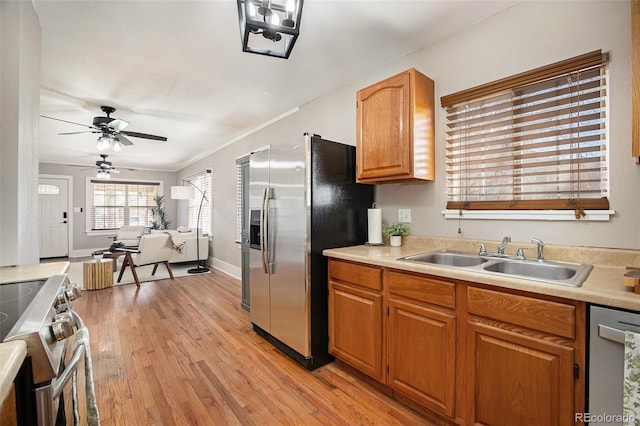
{"x":104,"y":143}
{"x":116,"y":146}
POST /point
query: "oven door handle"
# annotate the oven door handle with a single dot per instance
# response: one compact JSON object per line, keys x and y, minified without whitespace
{"x":610,"y":333}
{"x":72,"y":366}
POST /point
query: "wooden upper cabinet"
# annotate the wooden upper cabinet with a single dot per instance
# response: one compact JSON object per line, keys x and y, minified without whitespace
{"x":395,"y":130}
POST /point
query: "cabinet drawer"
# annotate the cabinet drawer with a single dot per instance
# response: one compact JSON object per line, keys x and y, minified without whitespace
{"x":425,"y":289}
{"x":356,"y":274}
{"x":543,"y":315}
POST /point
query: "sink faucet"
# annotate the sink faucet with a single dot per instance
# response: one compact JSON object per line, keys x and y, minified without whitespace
{"x":503,"y":245}
{"x":540,"y":246}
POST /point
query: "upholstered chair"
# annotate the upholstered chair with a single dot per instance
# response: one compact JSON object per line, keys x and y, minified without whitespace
{"x":129,"y":235}
{"x":152,"y":250}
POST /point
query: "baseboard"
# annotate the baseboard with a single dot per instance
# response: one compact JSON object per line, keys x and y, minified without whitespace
{"x":83,"y":252}
{"x":225,"y":267}
{"x":218,"y":264}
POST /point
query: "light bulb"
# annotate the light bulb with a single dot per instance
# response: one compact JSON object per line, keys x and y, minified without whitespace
{"x":107,"y":175}
{"x":116,"y":146}
{"x":275,"y":19}
{"x":291,"y":7}
{"x":102,"y":144}
{"x":252,"y":10}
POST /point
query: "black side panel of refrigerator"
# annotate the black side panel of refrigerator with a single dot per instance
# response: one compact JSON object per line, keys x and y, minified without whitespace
{"x":338,"y":219}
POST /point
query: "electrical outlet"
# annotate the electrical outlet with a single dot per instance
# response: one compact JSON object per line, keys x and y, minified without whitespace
{"x":404,"y":215}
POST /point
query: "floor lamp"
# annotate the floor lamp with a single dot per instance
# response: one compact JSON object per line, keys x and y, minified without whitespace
{"x":187,"y":193}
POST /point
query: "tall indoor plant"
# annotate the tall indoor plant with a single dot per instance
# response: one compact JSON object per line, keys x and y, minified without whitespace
{"x":160,"y":219}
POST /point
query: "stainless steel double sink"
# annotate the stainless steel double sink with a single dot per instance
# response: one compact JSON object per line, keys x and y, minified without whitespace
{"x":551,"y":272}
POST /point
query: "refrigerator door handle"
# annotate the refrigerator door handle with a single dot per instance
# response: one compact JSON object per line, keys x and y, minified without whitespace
{"x":264,"y":229}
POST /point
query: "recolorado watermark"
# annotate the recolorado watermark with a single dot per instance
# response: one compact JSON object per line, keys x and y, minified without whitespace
{"x":595,"y":418}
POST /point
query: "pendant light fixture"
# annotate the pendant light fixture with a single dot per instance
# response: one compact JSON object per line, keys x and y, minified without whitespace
{"x":269,"y":27}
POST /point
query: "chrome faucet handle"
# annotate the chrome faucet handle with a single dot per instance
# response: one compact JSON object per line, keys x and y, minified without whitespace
{"x":483,"y":249}
{"x":520,"y":252}
{"x":540,"y":245}
{"x":503,"y":245}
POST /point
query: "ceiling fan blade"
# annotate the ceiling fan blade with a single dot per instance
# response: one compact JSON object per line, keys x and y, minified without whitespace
{"x":117,"y":124}
{"x":115,"y":171}
{"x":123,"y":140}
{"x":144,"y":136}
{"x":77,"y":133}
{"x":66,"y":121}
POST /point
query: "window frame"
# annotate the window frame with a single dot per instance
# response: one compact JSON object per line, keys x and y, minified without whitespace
{"x":89,"y":194}
{"x":551,"y":209}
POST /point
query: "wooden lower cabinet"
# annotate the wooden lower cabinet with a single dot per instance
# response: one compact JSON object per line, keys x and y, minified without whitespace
{"x":522,"y":358}
{"x":518,"y":380}
{"x":355,"y":328}
{"x":471,"y":353}
{"x":356,"y":317}
{"x":421,"y":346}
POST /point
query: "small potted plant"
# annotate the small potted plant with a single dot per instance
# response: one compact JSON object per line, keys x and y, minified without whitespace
{"x":116,"y":245}
{"x":97,"y":255}
{"x":395,"y":231}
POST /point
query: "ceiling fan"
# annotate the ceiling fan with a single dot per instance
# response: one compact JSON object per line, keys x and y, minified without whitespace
{"x":110,"y":129}
{"x":103,"y":168}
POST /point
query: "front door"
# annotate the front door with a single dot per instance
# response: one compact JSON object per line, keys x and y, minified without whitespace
{"x":53,"y":217}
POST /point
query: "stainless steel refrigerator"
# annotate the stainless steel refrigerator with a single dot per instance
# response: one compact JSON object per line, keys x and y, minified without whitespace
{"x":302,"y":199}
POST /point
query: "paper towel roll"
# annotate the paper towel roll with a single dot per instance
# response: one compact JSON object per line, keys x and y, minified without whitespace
{"x":375,"y":226}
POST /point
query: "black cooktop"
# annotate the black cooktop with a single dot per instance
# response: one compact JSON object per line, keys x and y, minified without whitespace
{"x":14,"y":300}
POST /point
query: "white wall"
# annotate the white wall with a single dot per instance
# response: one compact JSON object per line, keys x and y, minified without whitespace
{"x":526,"y":36}
{"x":19,"y":111}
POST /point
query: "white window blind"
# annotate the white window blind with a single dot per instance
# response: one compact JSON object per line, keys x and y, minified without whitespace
{"x":238,"y":201}
{"x":202,"y":181}
{"x":115,"y":204}
{"x":533,"y":141}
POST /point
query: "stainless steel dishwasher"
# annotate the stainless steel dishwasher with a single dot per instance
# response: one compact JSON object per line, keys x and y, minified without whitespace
{"x":606,"y":362}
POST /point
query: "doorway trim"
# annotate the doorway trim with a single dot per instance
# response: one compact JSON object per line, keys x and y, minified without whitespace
{"x":69,"y":180}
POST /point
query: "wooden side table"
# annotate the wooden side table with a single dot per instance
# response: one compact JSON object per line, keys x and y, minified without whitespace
{"x":113,"y":255}
{"x":97,"y":274}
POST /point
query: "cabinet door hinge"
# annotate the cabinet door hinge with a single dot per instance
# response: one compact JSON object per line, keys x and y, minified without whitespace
{"x":387,"y":311}
{"x":576,"y":371}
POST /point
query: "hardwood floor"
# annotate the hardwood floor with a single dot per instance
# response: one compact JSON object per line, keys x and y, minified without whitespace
{"x":183,"y":352}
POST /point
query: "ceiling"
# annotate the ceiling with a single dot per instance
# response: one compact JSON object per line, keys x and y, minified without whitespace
{"x":176,"y":68}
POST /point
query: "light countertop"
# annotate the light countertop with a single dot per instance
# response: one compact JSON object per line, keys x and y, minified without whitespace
{"x":604,"y":285}
{"x":40,"y":271}
{"x":11,"y":356}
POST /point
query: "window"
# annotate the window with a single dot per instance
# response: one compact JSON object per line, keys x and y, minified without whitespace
{"x":202,"y":181}
{"x":238,"y":201}
{"x":48,"y":189}
{"x":113,"y":204}
{"x":242,"y":196}
{"x":534,"y":141}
